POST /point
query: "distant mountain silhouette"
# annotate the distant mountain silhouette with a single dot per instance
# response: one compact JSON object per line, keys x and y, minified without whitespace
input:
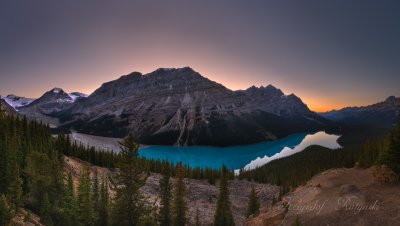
{"x":382,"y":114}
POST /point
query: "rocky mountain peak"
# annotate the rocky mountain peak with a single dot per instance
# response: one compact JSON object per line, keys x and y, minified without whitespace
{"x":267,"y":90}
{"x":52,"y":101}
{"x":270,"y":87}
{"x":129,"y":76}
{"x":391,"y":99}
{"x":185,"y":71}
{"x":13,"y":97}
{"x":158,"y":76}
{"x":56,"y":90}
{"x":293,"y":96}
{"x":55,"y":93}
{"x":163,"y":81}
{"x":182,"y":69}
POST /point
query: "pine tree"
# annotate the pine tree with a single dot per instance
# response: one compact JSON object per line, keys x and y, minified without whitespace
{"x":150,"y":218}
{"x":211,"y":178}
{"x":254,"y":204}
{"x":96,"y":188}
{"x":86,"y":213}
{"x":104,"y":204}
{"x":179,"y":217}
{"x":223,"y":214}
{"x":45,"y":211}
{"x":5,"y":211}
{"x":165,"y":195}
{"x":197,"y":219}
{"x":2,"y":113}
{"x":273,"y":200}
{"x":70,"y":204}
{"x":129,"y":204}
{"x":3,"y":158}
{"x":15,"y":190}
{"x":96,"y":193}
{"x":391,"y":155}
{"x":297,"y":221}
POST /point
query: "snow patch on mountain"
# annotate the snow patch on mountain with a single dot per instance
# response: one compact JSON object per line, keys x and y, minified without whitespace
{"x":16,"y":101}
{"x":56,"y":90}
{"x":65,"y":100}
{"x":75,"y":95}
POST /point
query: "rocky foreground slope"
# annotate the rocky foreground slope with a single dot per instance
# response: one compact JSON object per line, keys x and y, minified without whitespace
{"x":341,"y":196}
{"x":181,"y":107}
{"x":336,"y":197}
{"x":201,"y":195}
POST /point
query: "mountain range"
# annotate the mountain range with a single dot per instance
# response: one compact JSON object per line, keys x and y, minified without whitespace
{"x":382,"y":114}
{"x":178,"y":106}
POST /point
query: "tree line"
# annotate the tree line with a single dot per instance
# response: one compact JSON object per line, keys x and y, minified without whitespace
{"x":109,"y":159}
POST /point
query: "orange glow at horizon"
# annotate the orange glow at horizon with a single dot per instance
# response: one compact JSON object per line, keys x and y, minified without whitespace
{"x":324,"y":108}
{"x":329,"y":104}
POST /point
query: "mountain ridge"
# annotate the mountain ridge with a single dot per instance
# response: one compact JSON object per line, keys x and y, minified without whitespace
{"x":383,"y":113}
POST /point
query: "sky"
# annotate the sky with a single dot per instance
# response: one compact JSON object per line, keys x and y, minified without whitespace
{"x":331,"y":54}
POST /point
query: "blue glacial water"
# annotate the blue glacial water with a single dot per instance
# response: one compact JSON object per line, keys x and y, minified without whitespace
{"x":236,"y":157}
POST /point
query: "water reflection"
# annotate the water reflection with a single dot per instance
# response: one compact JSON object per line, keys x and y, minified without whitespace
{"x":321,"y":138}
{"x":236,"y":157}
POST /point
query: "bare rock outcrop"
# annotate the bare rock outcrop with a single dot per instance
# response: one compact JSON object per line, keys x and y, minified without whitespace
{"x":337,"y":197}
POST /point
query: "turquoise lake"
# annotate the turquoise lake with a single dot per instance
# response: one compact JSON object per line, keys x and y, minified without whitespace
{"x":236,"y":157}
